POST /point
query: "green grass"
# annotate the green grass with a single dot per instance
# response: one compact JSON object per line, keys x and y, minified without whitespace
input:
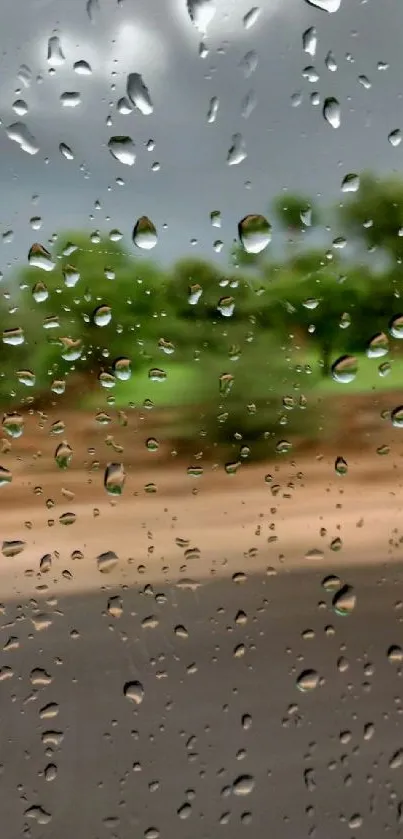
{"x":179,"y":388}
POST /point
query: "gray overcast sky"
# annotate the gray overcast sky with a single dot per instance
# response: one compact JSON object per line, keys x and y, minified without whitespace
{"x":287,"y":147}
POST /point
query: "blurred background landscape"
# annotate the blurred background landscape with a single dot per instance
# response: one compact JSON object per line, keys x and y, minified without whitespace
{"x":247,"y":361}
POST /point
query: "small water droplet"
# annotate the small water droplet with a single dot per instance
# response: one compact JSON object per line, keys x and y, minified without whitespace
{"x":114,"y":478}
{"x":330,"y":6}
{"x":344,"y":600}
{"x":307,"y":680}
{"x":237,"y":151}
{"x":345,"y":369}
{"x":107,"y":562}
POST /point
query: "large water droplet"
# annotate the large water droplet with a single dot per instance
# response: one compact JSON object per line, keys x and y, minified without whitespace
{"x":201,"y":13}
{"x":138,"y":93}
{"x":251,"y":17}
{"x":63,"y":455}
{"x":114,"y":478}
{"x":18,"y":132}
{"x":122,"y":149}
{"x":55,"y":52}
{"x":310,"y":41}
{"x":255,"y":233}
{"x":145,"y":234}
{"x":107,"y":561}
{"x":331,"y":111}
{"x":344,"y":600}
{"x":327,"y":5}
{"x":307,"y":680}
{"x":134,"y":691}
{"x":102,"y":315}
{"x":39,"y":257}
{"x":243,"y":785}
{"x":344,"y":370}
{"x":237,"y":151}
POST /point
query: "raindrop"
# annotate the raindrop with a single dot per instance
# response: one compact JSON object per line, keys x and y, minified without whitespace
{"x":249,"y":63}
{"x":397,"y":417}
{"x":102,"y":315}
{"x":70,"y":276}
{"x":254,"y":233}
{"x":344,"y":370}
{"x":122,"y":369}
{"x":14,"y":337}
{"x":378,"y":346}
{"x":70,"y":99}
{"x":344,"y":600}
{"x":13,"y":425}
{"x":331,"y":111}
{"x":251,"y":17}
{"x":237,"y":151}
{"x":55,"y":52}
{"x":307,"y":680}
{"x":38,"y":814}
{"x":63,"y":455}
{"x":327,"y":5}
{"x":122,"y":149}
{"x":201,"y":13}
{"x":396,"y":326}
{"x":243,"y":785}
{"x":82,"y":68}
{"x":20,"y":107}
{"x":5,"y":477}
{"x":212,"y":109}
{"x":66,"y":151}
{"x":134,"y":691}
{"x":350,"y":183}
{"x":26,"y":377}
{"x":395,"y":137}
{"x":341,"y":466}
{"x":107,"y":562}
{"x":144,"y":234}
{"x":310,"y":41}
{"x":13,"y":547}
{"x":138,"y":93}
{"x":40,"y":292}
{"x":39,"y":257}
{"x":114,"y":478}
{"x":115,"y":607}
{"x":195,"y":293}
{"x":18,"y":132}
{"x":395,"y":654}
{"x":226,"y":306}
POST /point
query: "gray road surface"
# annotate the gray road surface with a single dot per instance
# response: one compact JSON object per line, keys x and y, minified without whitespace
{"x":316,"y":763}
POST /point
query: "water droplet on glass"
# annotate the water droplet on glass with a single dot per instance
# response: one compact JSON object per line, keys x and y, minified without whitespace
{"x":102,"y":315}
{"x":378,"y":346}
{"x":344,"y":600}
{"x":345,"y":369}
{"x":195,"y":293}
{"x":70,"y":99}
{"x":251,"y":17}
{"x":237,"y":151}
{"x":395,"y":654}
{"x":332,"y":112}
{"x":5,"y":476}
{"x":330,"y":6}
{"x":243,"y":785}
{"x":39,"y":257}
{"x":397,"y":416}
{"x":12,"y":547}
{"x":13,"y":337}
{"x":26,"y":377}
{"x":138,"y":93}
{"x":13,"y":425}
{"x":212,"y":109}
{"x":350,"y":183}
{"x":201,"y":13}
{"x":255,"y":233}
{"x":40,"y":292}
{"x":55,"y":56}
{"x":19,"y":133}
{"x":396,"y":326}
{"x":341,"y":466}
{"x":114,"y":478}
{"x":144,"y":234}
{"x":82,"y":68}
{"x":310,"y":41}
{"x":63,"y":455}
{"x":122,"y":149}
{"x":134,"y":691}
{"x":20,"y":107}
{"x":307,"y":680}
{"x":395,"y":137}
{"x":107,"y":562}
{"x":66,"y":151}
{"x":122,"y":369}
